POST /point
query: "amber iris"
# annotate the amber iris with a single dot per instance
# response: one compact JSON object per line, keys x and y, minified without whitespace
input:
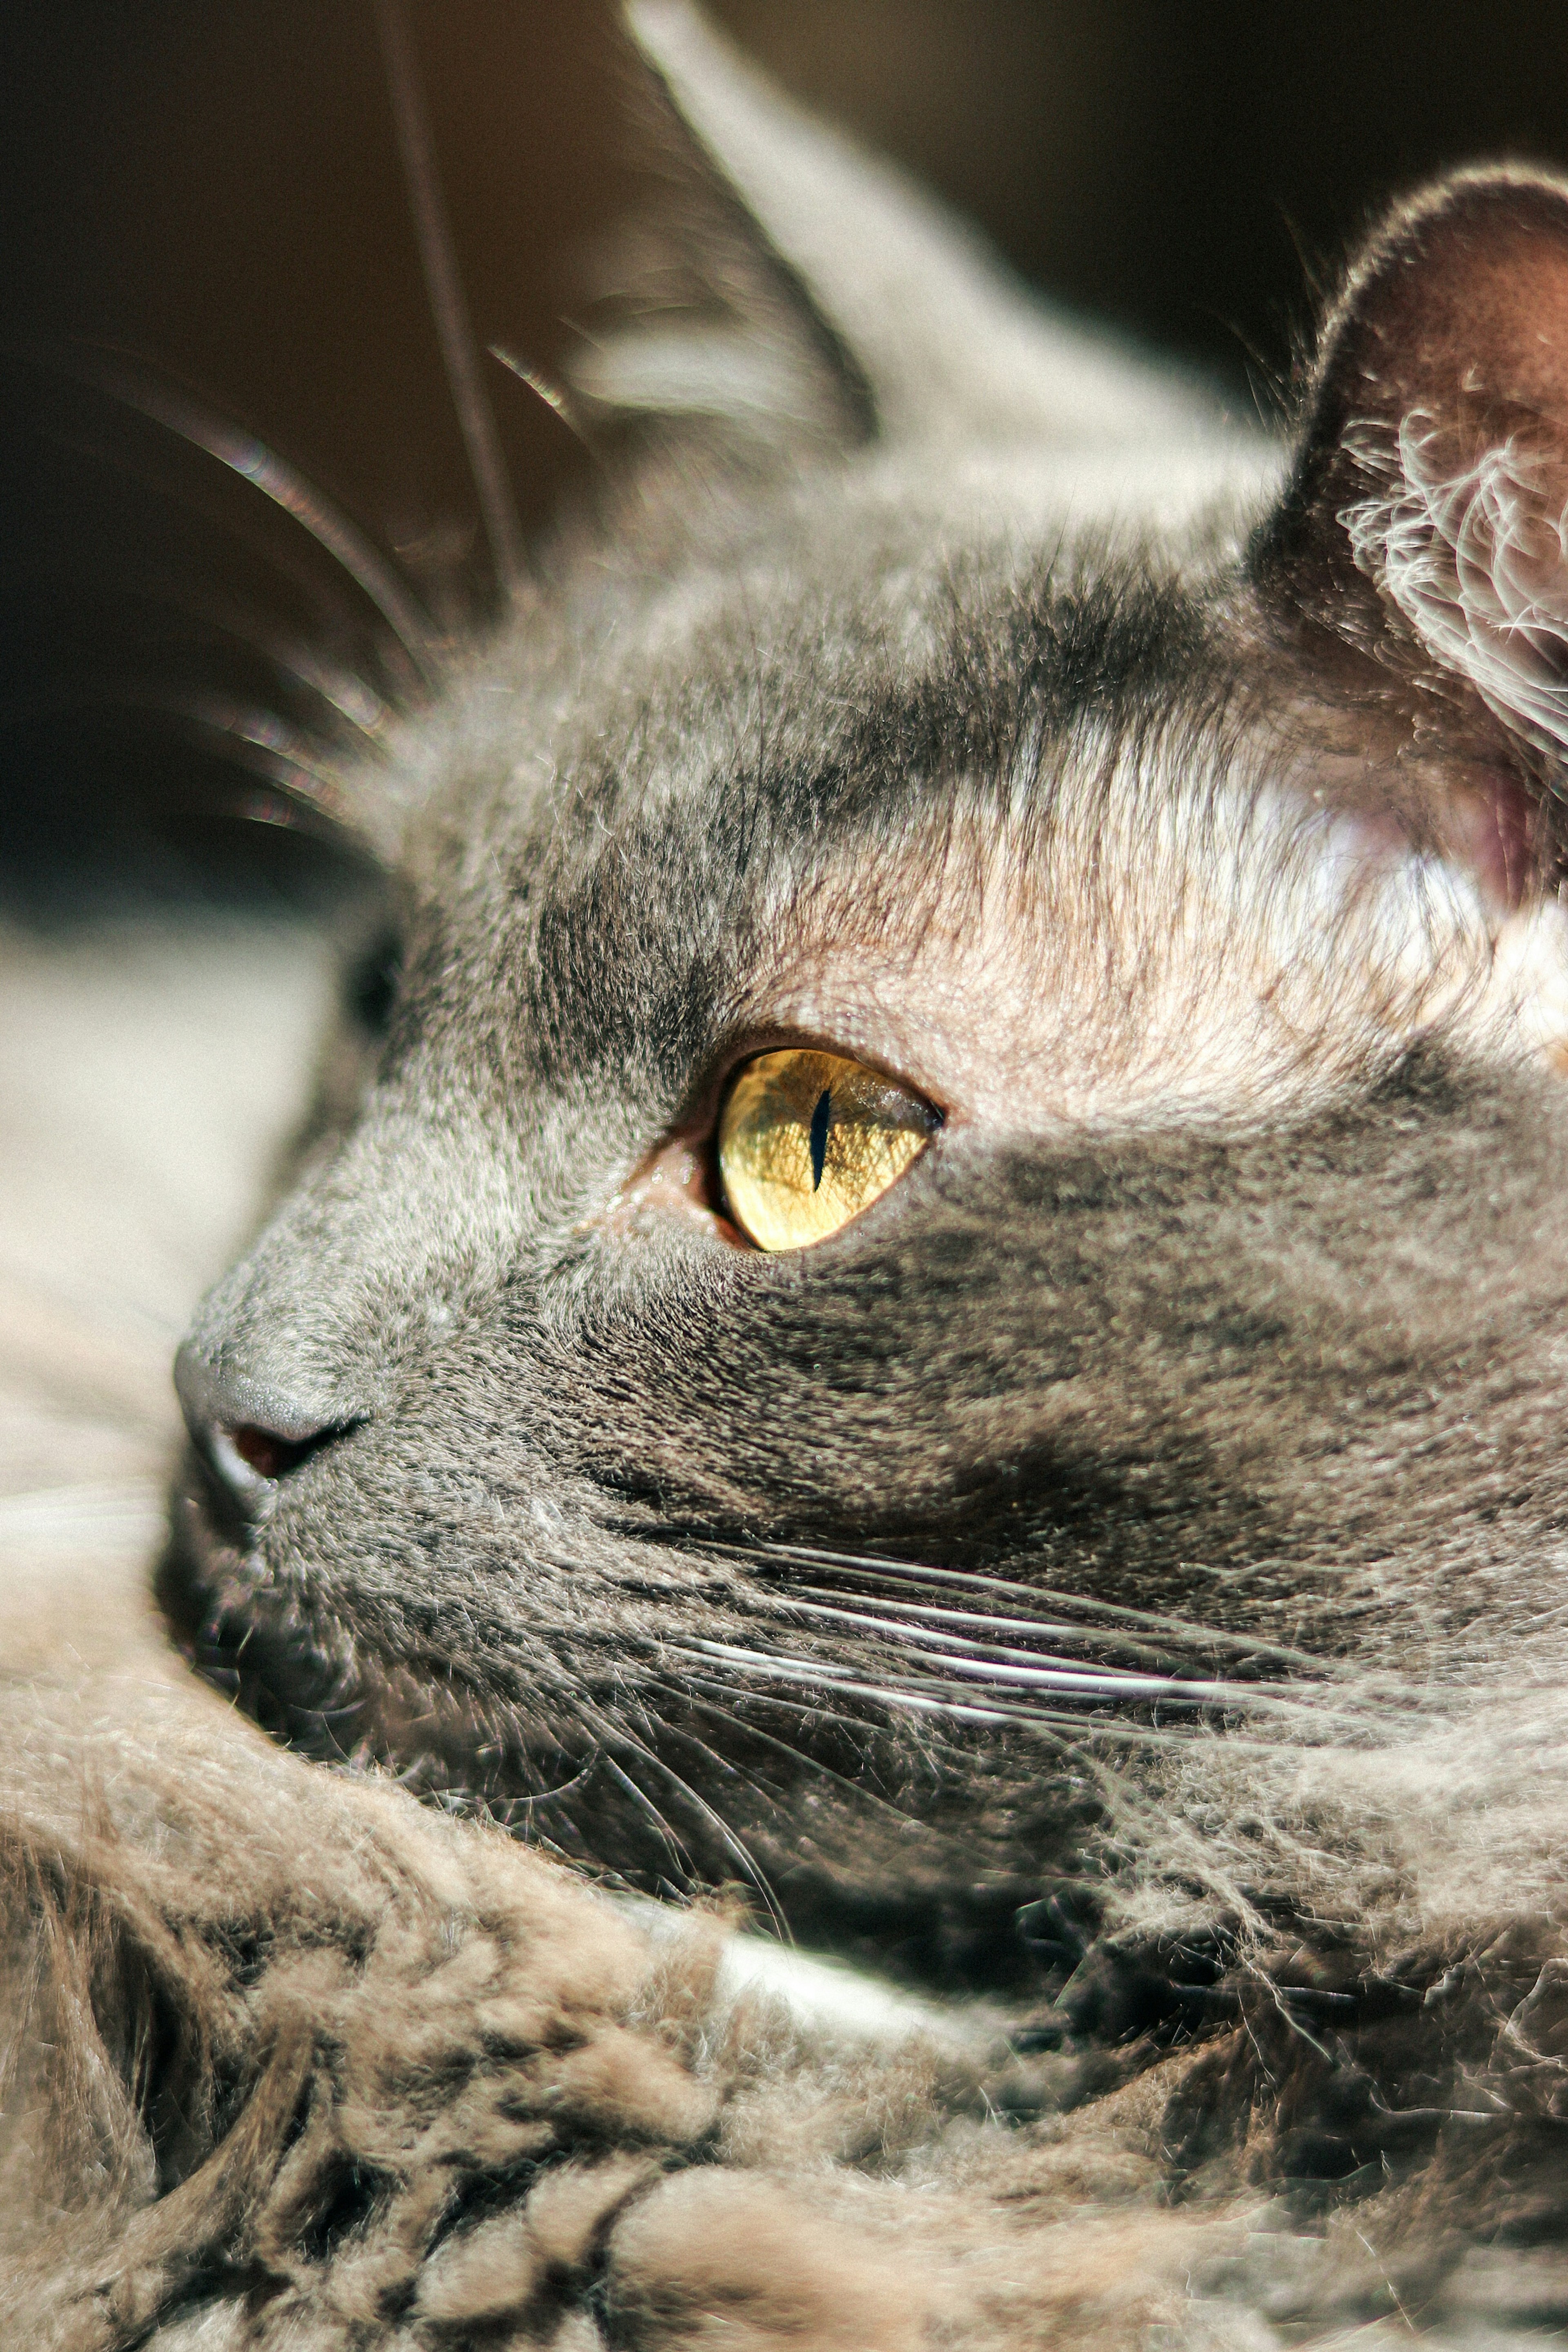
{"x":807,"y":1139}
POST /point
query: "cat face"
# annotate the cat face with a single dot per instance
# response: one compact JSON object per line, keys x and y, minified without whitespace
{"x":968,"y":738}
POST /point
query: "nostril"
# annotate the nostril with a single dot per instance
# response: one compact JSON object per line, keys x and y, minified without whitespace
{"x":270,"y":1455}
{"x":251,"y":1433}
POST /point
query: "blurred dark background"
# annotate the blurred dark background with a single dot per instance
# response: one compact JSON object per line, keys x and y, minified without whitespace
{"x":1187,"y":167}
{"x":238,"y":518}
{"x":1188,"y":170}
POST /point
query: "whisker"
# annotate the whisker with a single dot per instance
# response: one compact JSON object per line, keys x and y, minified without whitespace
{"x":842,"y":1680}
{"x":756,"y":1876}
{"x":443,"y":284}
{"x":611,"y":1732}
{"x":814,"y":1711}
{"x":1064,"y":1730}
{"x":551,"y":1796}
{"x":707,"y":1697}
{"x":244,"y":454}
{"x":734,"y":1844}
{"x":1075,"y":1742}
{"x":1091,"y":1684}
{"x":899,"y":1627}
{"x":1041,"y":1629}
{"x":872,"y":1566}
{"x":544,"y":388}
{"x":349,"y":697}
{"x":1368,"y":1688}
{"x":676,"y":1852}
{"x":347,"y":694}
{"x":253,"y":737}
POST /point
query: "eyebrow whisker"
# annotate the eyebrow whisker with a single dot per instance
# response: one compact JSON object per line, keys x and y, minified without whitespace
{"x":117,"y":378}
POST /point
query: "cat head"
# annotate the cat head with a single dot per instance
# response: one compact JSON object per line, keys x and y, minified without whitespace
{"x":1082,"y":877}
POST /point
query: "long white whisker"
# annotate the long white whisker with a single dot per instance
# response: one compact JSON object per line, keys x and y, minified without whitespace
{"x":889,"y":1611}
{"x":1381,"y":1689}
{"x":443,"y":284}
{"x":1123,"y":1682}
{"x":899,"y":1624}
{"x":873,"y":1566}
{"x":245,"y":455}
{"x":942,"y":1636}
{"x":1095,"y":1685}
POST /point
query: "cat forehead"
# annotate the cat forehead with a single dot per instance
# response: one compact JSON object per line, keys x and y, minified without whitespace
{"x":829,"y":675}
{"x":1037,"y":853}
{"x":883,"y":761}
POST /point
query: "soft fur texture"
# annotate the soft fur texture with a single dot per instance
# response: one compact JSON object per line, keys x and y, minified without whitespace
{"x":393,"y":2080}
{"x":1109,"y":1589}
{"x":291,"y":2062}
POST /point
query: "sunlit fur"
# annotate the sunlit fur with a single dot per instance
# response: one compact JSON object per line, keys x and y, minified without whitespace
{"x":1110,"y":1589}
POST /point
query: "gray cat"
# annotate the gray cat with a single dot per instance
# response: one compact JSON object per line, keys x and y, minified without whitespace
{"x":938,"y":1289}
{"x":1167,"y":826}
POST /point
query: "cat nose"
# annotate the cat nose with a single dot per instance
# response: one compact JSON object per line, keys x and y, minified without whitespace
{"x":250,"y":1432}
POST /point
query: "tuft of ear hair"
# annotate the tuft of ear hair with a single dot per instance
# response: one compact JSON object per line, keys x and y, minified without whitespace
{"x":1427,"y":521}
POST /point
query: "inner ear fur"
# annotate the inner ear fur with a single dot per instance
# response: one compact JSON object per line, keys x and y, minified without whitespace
{"x":1425,"y":523}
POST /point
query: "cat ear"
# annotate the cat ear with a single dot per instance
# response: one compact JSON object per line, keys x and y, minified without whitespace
{"x":856,"y":305}
{"x":698,"y":319}
{"x":1427,"y":521}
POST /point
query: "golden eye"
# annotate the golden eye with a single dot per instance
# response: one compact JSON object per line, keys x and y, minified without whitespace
{"x":807,"y":1139}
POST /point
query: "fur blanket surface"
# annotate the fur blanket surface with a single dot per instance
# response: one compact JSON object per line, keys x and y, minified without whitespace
{"x":291,"y":2061}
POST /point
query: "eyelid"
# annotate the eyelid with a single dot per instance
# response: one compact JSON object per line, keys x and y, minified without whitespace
{"x":699,"y":1121}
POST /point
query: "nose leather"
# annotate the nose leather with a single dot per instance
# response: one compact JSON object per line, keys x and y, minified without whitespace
{"x":241,"y":1422}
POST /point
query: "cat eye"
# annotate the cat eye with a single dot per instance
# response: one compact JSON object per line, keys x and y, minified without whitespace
{"x":807,"y":1139}
{"x":370,"y":986}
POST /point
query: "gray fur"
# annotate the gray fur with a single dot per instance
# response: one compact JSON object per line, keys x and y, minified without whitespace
{"x":1067,"y":1588}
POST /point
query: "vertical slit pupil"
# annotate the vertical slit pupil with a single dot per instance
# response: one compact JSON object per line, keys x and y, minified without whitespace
{"x":819,"y":1119}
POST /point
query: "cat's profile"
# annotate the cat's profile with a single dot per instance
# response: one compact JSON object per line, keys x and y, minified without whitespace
{"x":938,"y":1294}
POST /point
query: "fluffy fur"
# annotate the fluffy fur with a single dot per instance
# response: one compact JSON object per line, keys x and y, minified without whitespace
{"x":1109,"y":1589}
{"x":398,"y":2081}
